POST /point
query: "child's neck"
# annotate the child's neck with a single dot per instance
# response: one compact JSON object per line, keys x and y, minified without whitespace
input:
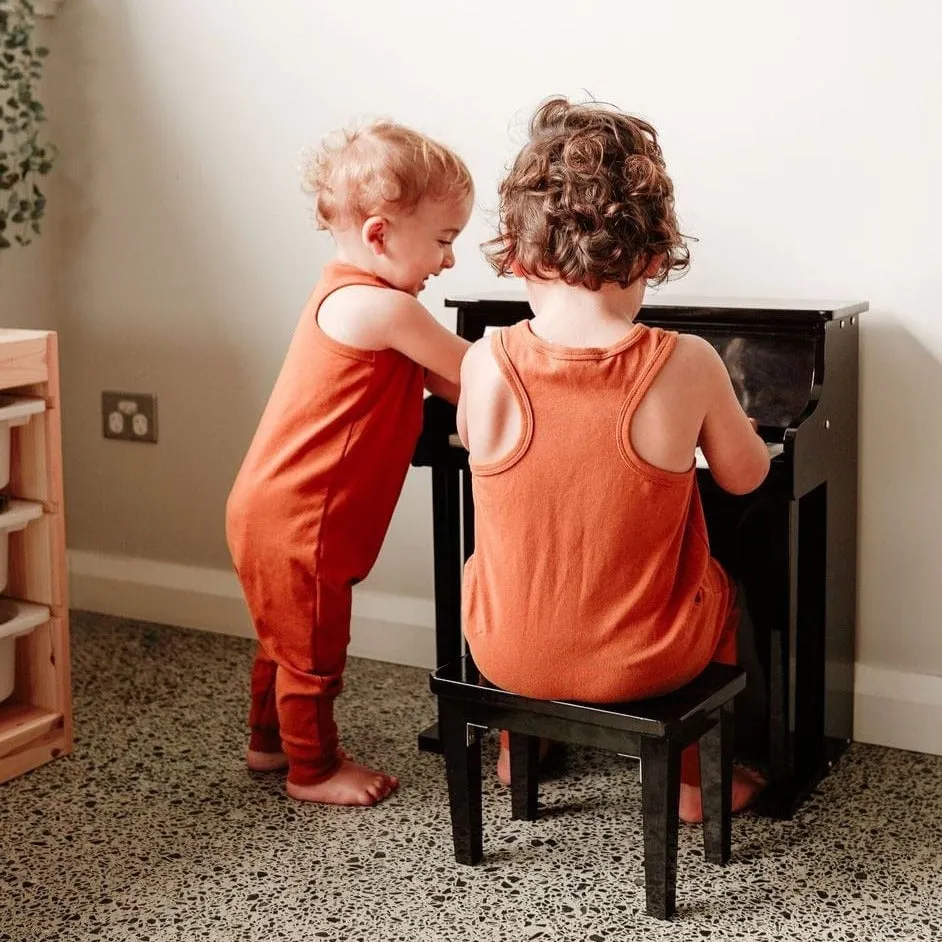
{"x":352,"y":251}
{"x":577,"y":317}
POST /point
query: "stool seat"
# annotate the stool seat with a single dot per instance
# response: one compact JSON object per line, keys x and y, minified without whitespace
{"x":657,"y":730}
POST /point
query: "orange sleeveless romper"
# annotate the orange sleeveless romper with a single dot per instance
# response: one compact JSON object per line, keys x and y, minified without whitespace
{"x":306,"y":519}
{"x":592,"y":577}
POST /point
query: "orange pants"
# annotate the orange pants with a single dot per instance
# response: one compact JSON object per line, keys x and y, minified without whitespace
{"x":297,"y":675}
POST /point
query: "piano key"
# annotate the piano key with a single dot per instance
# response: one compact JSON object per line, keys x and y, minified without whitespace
{"x":775,"y":449}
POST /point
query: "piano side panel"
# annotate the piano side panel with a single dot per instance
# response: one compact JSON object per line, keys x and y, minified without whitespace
{"x":841,"y":402}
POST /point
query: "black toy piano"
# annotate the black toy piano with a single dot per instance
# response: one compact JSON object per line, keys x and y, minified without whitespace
{"x":791,"y":545}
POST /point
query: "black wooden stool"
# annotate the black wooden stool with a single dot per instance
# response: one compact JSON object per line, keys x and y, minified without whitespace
{"x":657,"y":730}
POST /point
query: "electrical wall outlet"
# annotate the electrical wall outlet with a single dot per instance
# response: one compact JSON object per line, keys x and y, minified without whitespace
{"x":131,"y":417}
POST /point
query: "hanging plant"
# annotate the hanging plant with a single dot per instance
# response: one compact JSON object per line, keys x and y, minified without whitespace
{"x":24,"y":157}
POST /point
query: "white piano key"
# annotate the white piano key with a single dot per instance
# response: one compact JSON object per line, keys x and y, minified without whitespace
{"x":774,"y":450}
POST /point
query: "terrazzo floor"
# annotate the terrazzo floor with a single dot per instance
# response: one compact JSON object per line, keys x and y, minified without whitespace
{"x":153,"y":830}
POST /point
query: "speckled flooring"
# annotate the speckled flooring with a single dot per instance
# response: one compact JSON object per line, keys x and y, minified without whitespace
{"x":153,"y":830}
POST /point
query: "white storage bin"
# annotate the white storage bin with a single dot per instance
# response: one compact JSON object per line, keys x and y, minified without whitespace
{"x":17,"y":515}
{"x":14,"y":411}
{"x":16,"y":619}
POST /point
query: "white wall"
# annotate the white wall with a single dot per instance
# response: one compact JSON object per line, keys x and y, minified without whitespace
{"x":804,"y":142}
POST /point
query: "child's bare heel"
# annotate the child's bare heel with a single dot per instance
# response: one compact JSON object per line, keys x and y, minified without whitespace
{"x":747,"y":784}
{"x":548,"y":749}
{"x":265,"y":761}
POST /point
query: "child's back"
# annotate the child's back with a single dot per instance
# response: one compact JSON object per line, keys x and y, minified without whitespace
{"x":592,"y":575}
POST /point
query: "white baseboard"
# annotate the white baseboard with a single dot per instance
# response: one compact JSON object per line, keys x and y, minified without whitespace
{"x":385,"y":627}
{"x":898,"y":709}
{"x":891,"y":708}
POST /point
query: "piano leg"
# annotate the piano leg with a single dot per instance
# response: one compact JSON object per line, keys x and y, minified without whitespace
{"x":781,"y":679}
{"x":446,"y":551}
{"x":785,"y":589}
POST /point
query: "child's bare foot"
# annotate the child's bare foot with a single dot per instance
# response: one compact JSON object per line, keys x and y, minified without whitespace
{"x":746,"y":787}
{"x":351,"y":784}
{"x":503,"y":759}
{"x":265,"y":761}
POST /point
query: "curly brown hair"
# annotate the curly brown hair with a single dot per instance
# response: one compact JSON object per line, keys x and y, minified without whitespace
{"x":588,"y":200}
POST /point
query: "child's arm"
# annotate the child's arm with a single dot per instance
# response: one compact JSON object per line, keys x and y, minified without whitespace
{"x":377,"y":319}
{"x":489,"y":417}
{"x":439,"y":386}
{"x":466,"y":369}
{"x":414,"y":332}
{"x":737,"y":456}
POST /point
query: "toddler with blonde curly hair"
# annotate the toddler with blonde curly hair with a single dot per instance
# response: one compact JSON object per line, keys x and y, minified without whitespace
{"x":312,"y":502}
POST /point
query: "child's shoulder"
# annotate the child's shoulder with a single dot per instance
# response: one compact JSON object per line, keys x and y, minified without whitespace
{"x":700,"y":351}
{"x":480,"y":368}
{"x":693,"y":365}
{"x":365,"y":301}
{"x":363,"y":315}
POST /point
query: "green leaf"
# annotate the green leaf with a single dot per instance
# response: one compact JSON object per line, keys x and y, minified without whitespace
{"x":24,"y":155}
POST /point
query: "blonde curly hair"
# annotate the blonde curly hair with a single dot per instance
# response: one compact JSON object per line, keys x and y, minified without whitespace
{"x":380,"y":167}
{"x":588,"y":200}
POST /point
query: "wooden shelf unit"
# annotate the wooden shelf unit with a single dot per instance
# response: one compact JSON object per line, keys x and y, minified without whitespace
{"x":36,"y":721}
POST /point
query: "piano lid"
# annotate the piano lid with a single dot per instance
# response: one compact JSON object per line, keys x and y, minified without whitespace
{"x":665,"y":308}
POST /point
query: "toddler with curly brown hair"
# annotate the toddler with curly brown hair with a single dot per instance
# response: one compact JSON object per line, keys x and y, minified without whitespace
{"x":592,"y":577}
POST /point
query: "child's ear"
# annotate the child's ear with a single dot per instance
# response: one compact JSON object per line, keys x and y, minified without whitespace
{"x":373,"y":233}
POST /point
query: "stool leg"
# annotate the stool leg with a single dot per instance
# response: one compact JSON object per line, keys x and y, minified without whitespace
{"x":462,"y":748}
{"x":660,"y":797}
{"x":524,"y":776}
{"x":716,"y":787}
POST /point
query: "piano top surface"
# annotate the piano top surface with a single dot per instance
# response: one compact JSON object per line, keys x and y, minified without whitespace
{"x":772,"y":349}
{"x":695,"y":308}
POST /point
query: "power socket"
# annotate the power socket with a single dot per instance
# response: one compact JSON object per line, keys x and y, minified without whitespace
{"x":129,"y":417}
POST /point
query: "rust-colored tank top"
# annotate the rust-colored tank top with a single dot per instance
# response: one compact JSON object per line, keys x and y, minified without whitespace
{"x":591,"y":566}
{"x":322,"y":476}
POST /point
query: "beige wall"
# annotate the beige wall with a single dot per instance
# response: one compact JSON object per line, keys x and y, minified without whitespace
{"x":803,"y":138}
{"x":27,"y":286}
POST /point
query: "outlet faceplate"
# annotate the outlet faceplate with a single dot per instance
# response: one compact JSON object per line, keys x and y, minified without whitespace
{"x":130,"y":417}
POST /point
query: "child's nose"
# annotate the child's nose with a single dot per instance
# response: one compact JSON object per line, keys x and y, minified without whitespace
{"x":448,"y":260}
